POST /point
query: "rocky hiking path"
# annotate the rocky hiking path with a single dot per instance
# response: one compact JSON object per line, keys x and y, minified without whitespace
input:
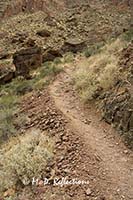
{"x":114,"y":173}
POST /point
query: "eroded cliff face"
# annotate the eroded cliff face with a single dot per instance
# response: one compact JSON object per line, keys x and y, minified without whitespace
{"x":118,"y":102}
{"x":13,"y":7}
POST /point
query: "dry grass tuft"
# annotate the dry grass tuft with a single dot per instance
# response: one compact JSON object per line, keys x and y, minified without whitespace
{"x":99,"y":72}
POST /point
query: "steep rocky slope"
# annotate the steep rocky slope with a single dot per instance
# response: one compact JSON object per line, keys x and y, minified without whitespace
{"x":82,"y":25}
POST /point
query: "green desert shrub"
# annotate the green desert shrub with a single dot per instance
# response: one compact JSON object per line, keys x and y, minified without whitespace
{"x":48,"y":70}
{"x":8,"y":109}
{"x":93,"y":49}
{"x":26,"y":159}
{"x":88,"y":52}
{"x":57,"y":61}
{"x":18,"y":86}
{"x":68,"y":57}
{"x":23,"y":87}
{"x":40,"y":84}
{"x":128,"y":35}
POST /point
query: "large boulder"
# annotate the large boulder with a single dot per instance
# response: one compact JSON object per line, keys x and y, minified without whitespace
{"x":73,"y":45}
{"x":7,"y":70}
{"x":5,"y":55}
{"x":44,"y":33}
{"x":27,"y":59}
{"x":118,"y":108}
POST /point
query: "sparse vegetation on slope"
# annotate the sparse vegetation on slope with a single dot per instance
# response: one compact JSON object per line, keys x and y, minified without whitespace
{"x":99,"y":72}
{"x":10,"y":96}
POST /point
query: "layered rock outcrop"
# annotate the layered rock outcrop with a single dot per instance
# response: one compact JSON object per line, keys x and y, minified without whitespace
{"x":27,"y":59}
{"x":118,"y":103}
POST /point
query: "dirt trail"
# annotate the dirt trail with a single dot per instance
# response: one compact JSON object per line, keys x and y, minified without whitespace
{"x":115,"y":160}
